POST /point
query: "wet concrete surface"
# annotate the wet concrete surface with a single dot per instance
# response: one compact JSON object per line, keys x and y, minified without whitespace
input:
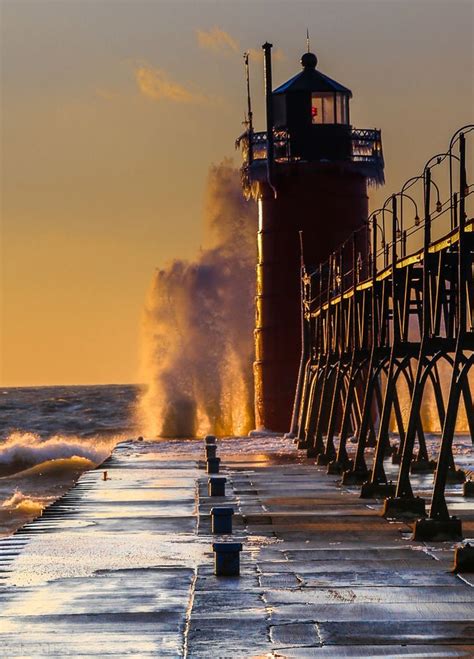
{"x":124,"y":566}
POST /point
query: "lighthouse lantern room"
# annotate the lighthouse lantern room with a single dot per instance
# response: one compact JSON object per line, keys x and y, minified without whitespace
{"x":314,"y":110}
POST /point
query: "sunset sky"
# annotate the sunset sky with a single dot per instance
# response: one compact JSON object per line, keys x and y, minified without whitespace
{"x":112,"y":112}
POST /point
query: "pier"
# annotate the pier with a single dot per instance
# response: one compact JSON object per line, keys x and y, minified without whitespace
{"x":125,"y":566}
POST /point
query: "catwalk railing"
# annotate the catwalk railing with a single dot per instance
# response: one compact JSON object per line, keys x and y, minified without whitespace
{"x":379,"y":318}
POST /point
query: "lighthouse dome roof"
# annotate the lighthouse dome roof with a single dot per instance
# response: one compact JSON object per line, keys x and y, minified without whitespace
{"x":311,"y":80}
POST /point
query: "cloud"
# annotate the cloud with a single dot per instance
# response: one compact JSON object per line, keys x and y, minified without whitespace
{"x":217,"y":40}
{"x":155,"y":83}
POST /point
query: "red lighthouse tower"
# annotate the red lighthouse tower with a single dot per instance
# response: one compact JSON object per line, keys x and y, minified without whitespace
{"x":309,"y":174}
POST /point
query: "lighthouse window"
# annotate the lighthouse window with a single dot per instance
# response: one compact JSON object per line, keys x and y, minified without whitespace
{"x":341,"y":109}
{"x":316,"y":109}
{"x":323,"y":108}
{"x":329,"y":108}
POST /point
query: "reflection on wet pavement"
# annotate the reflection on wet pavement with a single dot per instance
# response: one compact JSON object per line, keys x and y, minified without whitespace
{"x":124,"y":566}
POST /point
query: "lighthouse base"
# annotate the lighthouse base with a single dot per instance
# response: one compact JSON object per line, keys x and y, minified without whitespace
{"x":316,"y":207}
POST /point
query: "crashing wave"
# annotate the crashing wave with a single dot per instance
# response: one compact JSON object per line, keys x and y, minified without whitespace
{"x":22,"y":451}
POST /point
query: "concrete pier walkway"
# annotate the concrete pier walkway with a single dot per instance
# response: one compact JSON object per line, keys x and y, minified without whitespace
{"x":124,"y":566}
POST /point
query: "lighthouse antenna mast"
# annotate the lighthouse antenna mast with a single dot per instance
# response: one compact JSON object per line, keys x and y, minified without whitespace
{"x":249,"y":106}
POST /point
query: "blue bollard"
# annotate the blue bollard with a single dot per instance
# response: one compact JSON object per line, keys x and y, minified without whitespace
{"x":212,"y":465}
{"x":222,"y":520}
{"x":216,"y":486}
{"x":227,"y":558}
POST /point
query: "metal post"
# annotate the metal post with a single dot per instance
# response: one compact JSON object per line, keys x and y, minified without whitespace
{"x":342,"y":461}
{"x":267,"y":58}
{"x":359,"y":472}
{"x":440,"y":520}
{"x":378,"y":481}
{"x":404,"y":501}
{"x":249,"y":108}
{"x":395,"y":311}
{"x":305,"y":339}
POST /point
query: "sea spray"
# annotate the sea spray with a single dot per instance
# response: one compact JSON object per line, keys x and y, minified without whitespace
{"x":197,"y":339}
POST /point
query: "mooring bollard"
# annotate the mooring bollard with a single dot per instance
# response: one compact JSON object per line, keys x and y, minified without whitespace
{"x":468,"y":489}
{"x":104,"y":476}
{"x":211,"y":451}
{"x":227,"y":558}
{"x":210,"y":439}
{"x":212,"y":465}
{"x":464,"y":558}
{"x":222,"y":520}
{"x":216,"y":487}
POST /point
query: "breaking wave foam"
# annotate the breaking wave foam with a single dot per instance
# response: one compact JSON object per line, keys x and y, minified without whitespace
{"x":23,"y":504}
{"x":21,"y":451}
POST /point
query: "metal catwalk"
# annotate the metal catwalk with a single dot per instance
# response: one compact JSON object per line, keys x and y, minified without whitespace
{"x":378,"y":328}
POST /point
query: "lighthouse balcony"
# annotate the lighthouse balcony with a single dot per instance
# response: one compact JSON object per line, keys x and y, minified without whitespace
{"x":362,"y":148}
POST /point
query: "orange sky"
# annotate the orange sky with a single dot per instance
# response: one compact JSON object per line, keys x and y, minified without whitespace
{"x":112,"y":112}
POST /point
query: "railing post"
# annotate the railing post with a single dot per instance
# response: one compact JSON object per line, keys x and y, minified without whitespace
{"x":454,"y":211}
{"x":404,"y":500}
{"x":341,"y":461}
{"x":305,"y":344}
{"x":396,"y":323}
{"x":462,"y":227}
{"x":402,"y":251}
{"x":328,"y":415}
{"x":378,"y":481}
{"x":320,"y":318}
{"x":375,"y":327}
{"x":426,"y":245}
{"x":440,"y":520}
{"x":341,"y":292}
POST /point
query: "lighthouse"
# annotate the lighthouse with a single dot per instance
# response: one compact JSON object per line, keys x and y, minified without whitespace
{"x":309,"y":174}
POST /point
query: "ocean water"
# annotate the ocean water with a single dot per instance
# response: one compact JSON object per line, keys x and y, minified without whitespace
{"x":50,"y":435}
